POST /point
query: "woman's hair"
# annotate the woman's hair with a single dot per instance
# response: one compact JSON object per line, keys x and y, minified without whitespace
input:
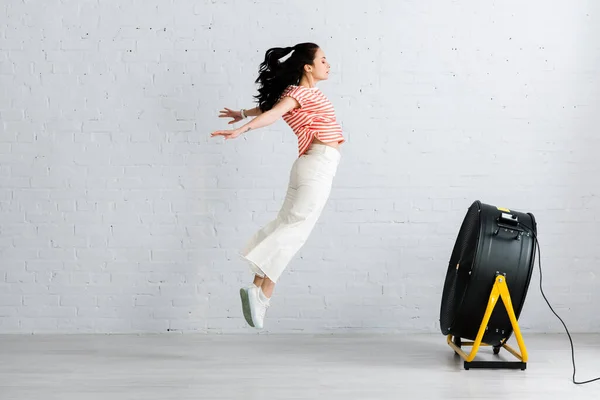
{"x":274,"y":75}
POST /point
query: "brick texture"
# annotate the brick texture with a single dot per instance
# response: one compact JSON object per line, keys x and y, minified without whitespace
{"x":119,"y":213}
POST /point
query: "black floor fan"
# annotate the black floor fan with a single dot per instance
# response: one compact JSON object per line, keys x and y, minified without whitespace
{"x":486,"y":283}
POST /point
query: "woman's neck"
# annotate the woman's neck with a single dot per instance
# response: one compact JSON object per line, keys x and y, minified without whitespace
{"x":307,"y":82}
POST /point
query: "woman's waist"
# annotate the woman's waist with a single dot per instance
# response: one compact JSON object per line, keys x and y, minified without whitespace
{"x":323,"y":149}
{"x":334,"y":142}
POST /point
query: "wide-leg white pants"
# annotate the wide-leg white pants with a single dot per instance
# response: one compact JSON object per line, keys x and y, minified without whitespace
{"x":271,"y":248}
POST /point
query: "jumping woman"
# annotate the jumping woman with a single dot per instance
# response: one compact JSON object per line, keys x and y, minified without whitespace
{"x":288,"y":89}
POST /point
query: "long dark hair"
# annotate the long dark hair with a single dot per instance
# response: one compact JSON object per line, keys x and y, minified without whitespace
{"x":274,"y":76}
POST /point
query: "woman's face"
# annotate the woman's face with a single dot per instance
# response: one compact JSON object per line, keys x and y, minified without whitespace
{"x":320,"y":68}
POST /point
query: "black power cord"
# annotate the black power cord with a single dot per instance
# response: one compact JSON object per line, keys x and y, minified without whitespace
{"x":543,"y":295}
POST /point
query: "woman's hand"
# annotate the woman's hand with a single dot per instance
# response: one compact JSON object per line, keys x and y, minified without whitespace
{"x":228,"y":134}
{"x":228,"y":113}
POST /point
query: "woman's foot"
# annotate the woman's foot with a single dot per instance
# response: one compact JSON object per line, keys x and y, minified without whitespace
{"x":254,"y":305}
{"x":246,"y":304}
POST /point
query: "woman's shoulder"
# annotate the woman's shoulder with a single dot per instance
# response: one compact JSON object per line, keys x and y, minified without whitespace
{"x":294,"y":88}
{"x":298,"y":92}
{"x":290,"y":89}
{"x":301,"y":88}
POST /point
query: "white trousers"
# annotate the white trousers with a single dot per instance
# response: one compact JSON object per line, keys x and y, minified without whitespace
{"x":271,"y":248}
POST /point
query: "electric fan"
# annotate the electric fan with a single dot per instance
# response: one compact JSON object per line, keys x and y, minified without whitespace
{"x":492,"y":260}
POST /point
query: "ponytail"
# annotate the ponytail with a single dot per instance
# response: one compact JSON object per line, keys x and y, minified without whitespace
{"x":273,"y":56}
{"x":275,"y":75}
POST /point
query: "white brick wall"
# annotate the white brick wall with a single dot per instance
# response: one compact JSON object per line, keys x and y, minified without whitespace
{"x":118,"y":212}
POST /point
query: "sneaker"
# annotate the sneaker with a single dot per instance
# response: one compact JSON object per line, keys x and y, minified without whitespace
{"x":258,"y":308}
{"x":246,"y":304}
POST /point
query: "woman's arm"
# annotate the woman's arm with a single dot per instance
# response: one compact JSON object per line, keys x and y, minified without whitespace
{"x":267,"y":118}
{"x":253,"y":112}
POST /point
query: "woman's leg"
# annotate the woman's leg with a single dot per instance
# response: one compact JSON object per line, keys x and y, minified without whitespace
{"x":267,"y":287}
{"x":258,"y":280}
{"x":271,"y":251}
{"x":307,"y":187}
{"x":250,"y":295}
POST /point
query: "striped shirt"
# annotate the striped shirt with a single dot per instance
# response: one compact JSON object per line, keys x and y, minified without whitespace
{"x":314,"y":118}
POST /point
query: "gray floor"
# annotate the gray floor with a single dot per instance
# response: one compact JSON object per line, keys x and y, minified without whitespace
{"x":280,"y":367}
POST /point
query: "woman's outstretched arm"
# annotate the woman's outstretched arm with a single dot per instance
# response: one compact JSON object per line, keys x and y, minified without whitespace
{"x":266,"y":118}
{"x":253,"y":112}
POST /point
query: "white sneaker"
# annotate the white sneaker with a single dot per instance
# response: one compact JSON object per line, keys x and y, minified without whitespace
{"x":258,"y":308}
{"x":246,"y":304}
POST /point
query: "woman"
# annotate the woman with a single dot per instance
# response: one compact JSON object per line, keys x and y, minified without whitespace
{"x":288,"y":90}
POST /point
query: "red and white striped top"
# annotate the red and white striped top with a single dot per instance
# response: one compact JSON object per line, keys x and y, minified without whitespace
{"x":314,"y":118}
